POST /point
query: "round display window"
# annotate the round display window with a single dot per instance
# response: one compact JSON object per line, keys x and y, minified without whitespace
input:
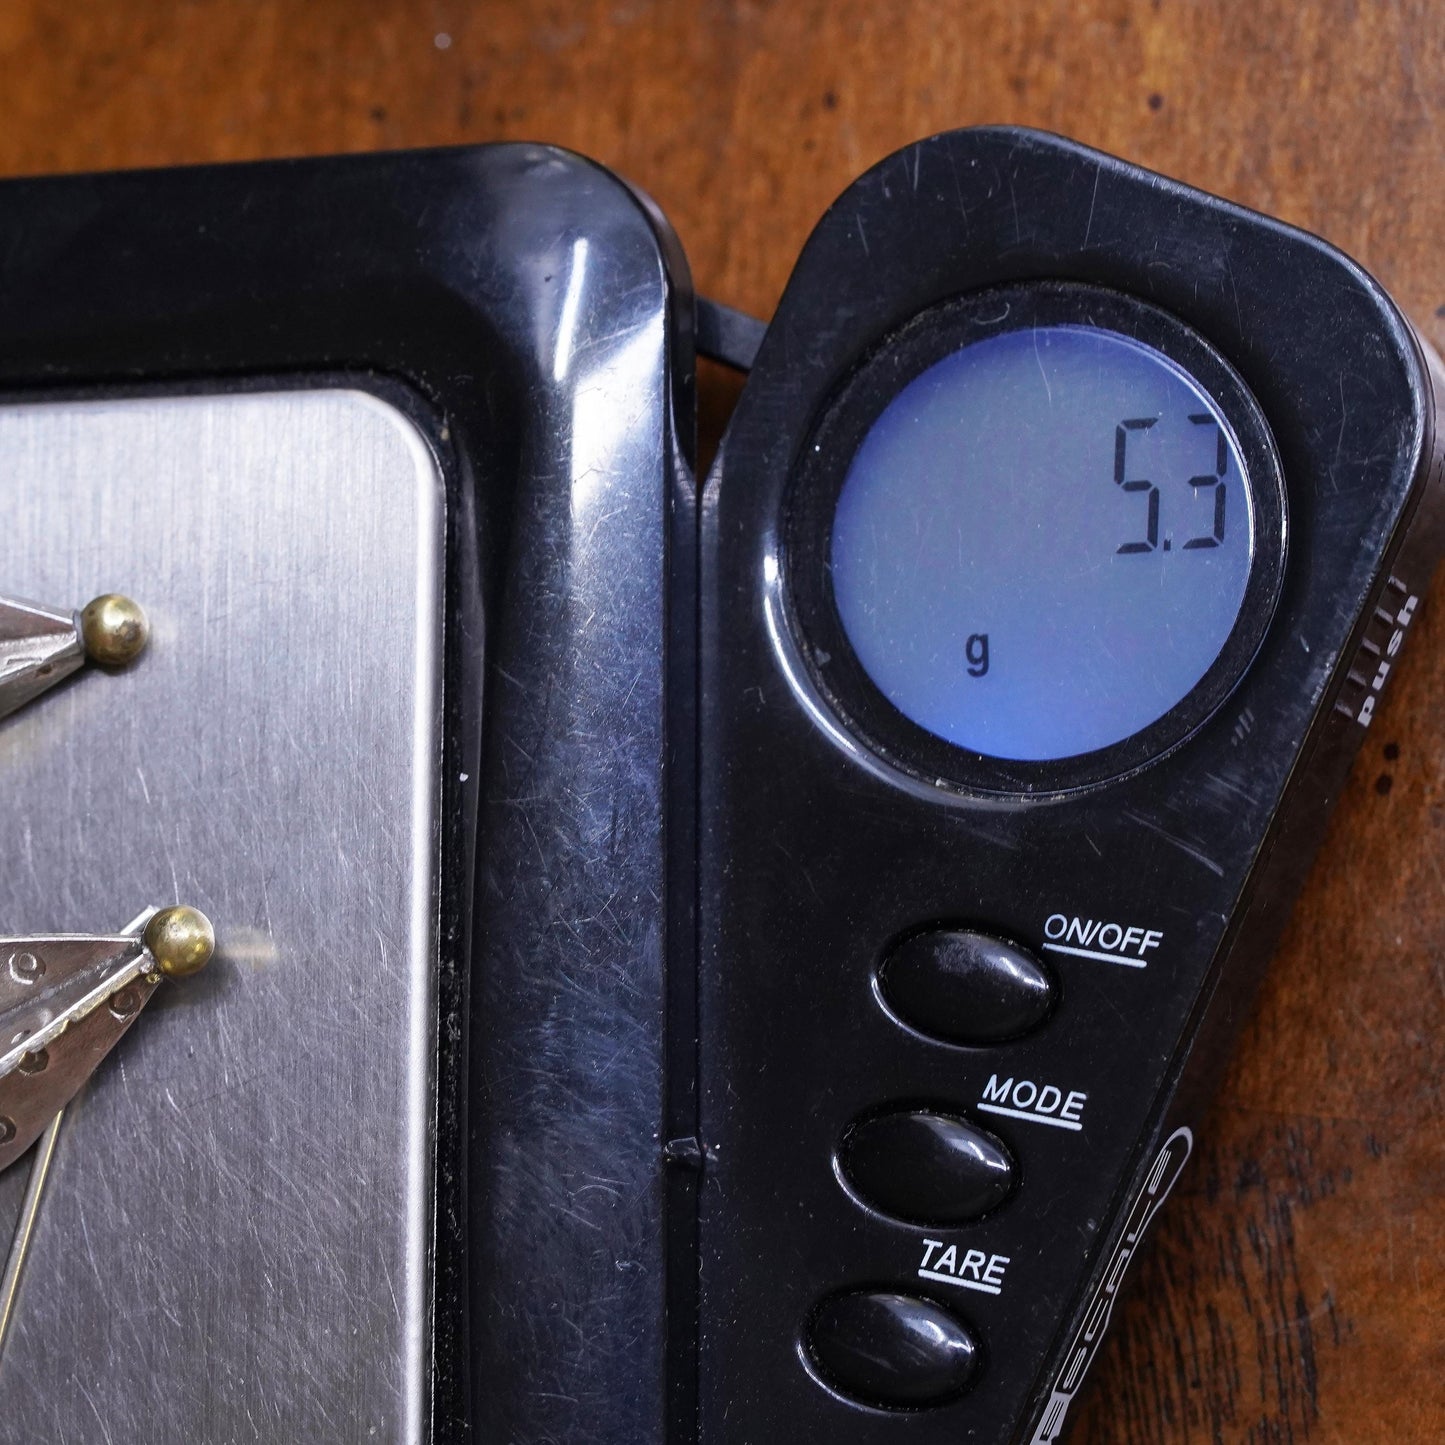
{"x":1042,"y":527}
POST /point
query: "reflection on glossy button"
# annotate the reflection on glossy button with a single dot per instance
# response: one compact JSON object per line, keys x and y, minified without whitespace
{"x":891,"y":1349}
{"x":927,"y":1168}
{"x":966,"y":987}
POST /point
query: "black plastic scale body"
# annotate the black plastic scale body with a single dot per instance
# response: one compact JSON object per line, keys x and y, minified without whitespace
{"x":526,"y":321}
{"x":958,"y":1014}
{"x":767,"y":1064}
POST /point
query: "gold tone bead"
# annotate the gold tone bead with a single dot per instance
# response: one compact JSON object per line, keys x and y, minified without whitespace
{"x":181,"y":940}
{"x":114,"y":629}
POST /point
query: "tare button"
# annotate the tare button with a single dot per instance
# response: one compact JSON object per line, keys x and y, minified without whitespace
{"x":894,"y":1350}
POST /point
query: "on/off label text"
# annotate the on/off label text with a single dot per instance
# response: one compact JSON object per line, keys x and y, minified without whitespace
{"x":1127,"y":943}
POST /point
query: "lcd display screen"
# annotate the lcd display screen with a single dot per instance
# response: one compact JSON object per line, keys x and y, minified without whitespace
{"x":1043,"y":542}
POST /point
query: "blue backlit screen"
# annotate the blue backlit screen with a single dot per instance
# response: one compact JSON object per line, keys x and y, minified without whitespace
{"x":1043,"y":542}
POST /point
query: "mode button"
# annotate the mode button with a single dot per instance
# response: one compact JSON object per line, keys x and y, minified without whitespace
{"x":926,"y":1167}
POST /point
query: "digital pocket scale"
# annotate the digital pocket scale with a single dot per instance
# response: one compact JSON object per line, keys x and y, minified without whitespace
{"x":1063,"y":540}
{"x":693,"y":966}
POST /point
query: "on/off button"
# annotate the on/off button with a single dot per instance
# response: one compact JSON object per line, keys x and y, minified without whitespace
{"x":965,"y":986}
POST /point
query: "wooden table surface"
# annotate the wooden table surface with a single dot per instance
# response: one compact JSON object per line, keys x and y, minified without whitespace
{"x":1295,"y":1292}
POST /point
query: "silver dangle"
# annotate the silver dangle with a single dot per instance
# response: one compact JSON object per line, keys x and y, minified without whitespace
{"x":67,"y":999}
{"x":40,"y":645}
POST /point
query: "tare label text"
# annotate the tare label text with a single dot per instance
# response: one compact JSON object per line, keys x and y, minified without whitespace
{"x":967,"y":1269}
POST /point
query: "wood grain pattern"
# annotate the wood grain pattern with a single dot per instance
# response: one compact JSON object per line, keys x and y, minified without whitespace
{"x":1295,"y":1293}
